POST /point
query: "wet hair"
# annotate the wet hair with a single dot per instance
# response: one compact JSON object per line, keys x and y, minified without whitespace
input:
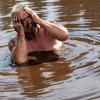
{"x":17,"y":8}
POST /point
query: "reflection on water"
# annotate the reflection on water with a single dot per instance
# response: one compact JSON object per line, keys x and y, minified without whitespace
{"x":41,"y":79}
{"x":76,"y":75}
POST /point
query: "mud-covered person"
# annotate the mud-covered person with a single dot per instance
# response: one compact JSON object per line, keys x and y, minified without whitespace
{"x":33,"y":34}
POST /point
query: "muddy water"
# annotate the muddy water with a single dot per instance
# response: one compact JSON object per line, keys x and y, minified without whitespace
{"x":76,"y":75}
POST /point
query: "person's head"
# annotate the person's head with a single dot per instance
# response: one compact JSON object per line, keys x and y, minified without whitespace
{"x":25,"y":19}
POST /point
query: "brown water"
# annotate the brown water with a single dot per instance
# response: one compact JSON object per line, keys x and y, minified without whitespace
{"x":76,"y":75}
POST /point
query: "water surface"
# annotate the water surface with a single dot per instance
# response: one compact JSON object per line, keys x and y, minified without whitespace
{"x":76,"y":75}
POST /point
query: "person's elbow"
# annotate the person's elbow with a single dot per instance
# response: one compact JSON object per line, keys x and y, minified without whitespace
{"x":64,"y":35}
{"x":18,"y":59}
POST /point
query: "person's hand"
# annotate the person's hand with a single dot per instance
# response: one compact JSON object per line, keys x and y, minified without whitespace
{"x":34,"y":15}
{"x":18,"y":26}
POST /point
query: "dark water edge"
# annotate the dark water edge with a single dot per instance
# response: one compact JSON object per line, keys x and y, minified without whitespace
{"x":76,"y":74}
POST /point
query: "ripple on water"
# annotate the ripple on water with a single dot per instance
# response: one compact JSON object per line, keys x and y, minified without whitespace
{"x":75,"y":76}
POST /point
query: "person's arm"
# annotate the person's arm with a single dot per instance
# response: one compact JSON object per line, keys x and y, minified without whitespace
{"x":19,"y":52}
{"x":57,"y":31}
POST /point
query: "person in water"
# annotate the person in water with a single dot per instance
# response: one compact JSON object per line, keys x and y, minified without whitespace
{"x":33,"y":34}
